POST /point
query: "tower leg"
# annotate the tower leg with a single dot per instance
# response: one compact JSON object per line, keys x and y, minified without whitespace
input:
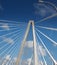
{"x":35,"y":45}
{"x":22,"y":46}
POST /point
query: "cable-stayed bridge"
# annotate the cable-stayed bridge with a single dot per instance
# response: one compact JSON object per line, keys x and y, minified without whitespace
{"x":17,"y":47}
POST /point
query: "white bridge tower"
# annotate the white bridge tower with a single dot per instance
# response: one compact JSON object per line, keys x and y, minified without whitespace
{"x":31,"y":22}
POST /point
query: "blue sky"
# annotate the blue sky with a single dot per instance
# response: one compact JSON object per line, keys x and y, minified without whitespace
{"x":18,"y":13}
{"x":19,"y":9}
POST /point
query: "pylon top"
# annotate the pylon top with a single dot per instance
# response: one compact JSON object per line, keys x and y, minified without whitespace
{"x":31,"y":21}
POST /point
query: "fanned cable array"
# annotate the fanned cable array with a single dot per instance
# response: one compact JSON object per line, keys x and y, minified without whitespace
{"x":44,"y":38}
{"x":11,"y":36}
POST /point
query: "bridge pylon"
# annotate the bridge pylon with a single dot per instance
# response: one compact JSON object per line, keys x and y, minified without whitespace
{"x":31,"y":22}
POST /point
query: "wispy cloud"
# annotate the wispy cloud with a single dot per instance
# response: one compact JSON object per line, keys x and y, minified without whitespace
{"x":43,"y":10}
{"x":42,"y":50}
{"x":30,"y":61}
{"x":5,"y":26}
{"x":29,"y":44}
{"x":15,"y":58}
{"x":7,"y":57}
{"x":26,"y":61}
{"x":8,"y":40}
